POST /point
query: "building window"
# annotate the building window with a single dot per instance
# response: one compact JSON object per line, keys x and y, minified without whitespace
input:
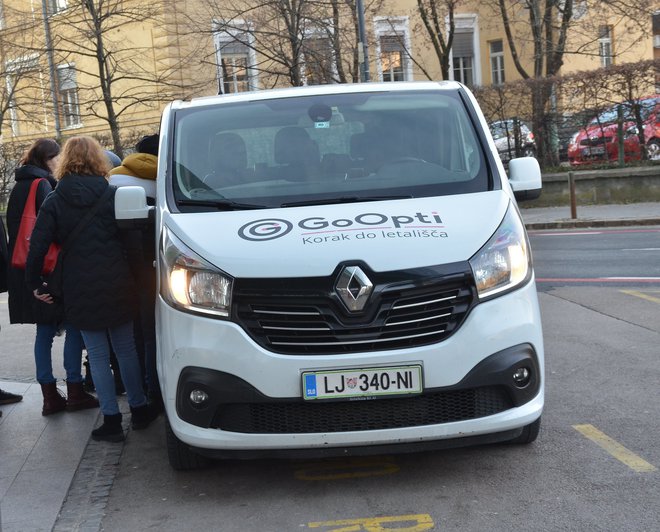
{"x":392,"y":45}
{"x":235,"y":57}
{"x":234,"y":63}
{"x":463,"y":57}
{"x":497,"y":62}
{"x":605,"y":45}
{"x":392,"y":58}
{"x":319,"y":60}
{"x":55,"y":6}
{"x":68,"y":92}
{"x":17,"y":70}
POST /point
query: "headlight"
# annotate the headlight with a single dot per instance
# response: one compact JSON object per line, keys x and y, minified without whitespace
{"x":505,"y":261}
{"x":189,"y":282}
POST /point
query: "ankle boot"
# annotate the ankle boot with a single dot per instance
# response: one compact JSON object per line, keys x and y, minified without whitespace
{"x":54,"y":399}
{"x":111,"y":430}
{"x":78,"y":399}
{"x":142,"y":416}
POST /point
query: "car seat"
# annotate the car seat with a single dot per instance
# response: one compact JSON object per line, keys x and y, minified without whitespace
{"x":297,"y":154}
{"x":228,"y":158}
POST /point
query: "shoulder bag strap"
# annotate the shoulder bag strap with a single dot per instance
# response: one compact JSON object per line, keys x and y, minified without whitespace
{"x":31,"y":202}
{"x":85,"y":220}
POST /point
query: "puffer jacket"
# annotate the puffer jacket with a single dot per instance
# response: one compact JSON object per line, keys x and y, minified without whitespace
{"x":23,"y":306}
{"x":98,"y":289}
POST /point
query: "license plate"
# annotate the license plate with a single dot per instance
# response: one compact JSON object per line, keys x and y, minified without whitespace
{"x":365,"y":382}
{"x":595,"y":150}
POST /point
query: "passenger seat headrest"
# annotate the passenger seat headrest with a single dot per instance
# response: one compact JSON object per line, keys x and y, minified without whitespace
{"x":294,"y":145}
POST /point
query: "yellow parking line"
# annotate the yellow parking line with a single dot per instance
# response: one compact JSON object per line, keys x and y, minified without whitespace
{"x":641,"y":295}
{"x":417,"y":522}
{"x":617,"y":450}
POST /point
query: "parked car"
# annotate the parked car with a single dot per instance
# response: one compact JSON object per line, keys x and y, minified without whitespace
{"x":513,"y":138}
{"x":567,"y":124}
{"x":598,"y":141}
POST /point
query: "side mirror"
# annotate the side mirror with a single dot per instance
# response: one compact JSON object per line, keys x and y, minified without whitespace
{"x":525,"y":178}
{"x":131,"y":207}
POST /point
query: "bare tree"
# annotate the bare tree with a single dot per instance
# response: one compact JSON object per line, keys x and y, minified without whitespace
{"x":115,"y":69}
{"x":438,"y":20}
{"x":546,"y":27}
{"x":22,"y":89}
{"x":292,"y":42}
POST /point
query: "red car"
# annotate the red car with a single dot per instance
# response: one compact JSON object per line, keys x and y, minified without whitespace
{"x":598,"y":142}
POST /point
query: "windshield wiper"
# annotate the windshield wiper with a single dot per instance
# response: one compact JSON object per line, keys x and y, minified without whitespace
{"x":342,"y":199}
{"x":221,"y":204}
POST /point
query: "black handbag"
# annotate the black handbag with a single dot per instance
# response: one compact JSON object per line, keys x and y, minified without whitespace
{"x":55,"y":280}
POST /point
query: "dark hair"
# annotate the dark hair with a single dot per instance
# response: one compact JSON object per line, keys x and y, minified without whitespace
{"x":148,"y":144}
{"x":40,"y":152}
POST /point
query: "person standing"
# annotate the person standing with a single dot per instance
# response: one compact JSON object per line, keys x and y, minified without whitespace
{"x":97,"y":287}
{"x":38,"y":163}
{"x":140,"y":169}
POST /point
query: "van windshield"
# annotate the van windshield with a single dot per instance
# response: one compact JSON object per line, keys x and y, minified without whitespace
{"x":315,"y":149}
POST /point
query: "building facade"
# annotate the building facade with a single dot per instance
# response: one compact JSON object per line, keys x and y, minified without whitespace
{"x":108,"y":68}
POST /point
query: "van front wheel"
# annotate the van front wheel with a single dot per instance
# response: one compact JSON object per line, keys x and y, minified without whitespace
{"x":529,"y":433}
{"x":182,"y":457}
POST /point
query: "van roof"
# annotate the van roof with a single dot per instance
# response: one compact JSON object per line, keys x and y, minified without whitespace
{"x":314,"y":90}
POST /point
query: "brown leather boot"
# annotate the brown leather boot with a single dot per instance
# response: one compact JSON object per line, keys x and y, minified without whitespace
{"x":78,"y":398}
{"x":54,"y":400}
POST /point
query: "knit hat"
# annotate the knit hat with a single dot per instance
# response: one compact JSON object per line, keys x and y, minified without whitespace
{"x":148,"y":144}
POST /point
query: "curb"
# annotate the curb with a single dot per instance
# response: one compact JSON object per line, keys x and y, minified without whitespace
{"x":574,"y":224}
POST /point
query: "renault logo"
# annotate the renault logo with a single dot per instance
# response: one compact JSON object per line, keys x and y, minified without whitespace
{"x":354,"y":288}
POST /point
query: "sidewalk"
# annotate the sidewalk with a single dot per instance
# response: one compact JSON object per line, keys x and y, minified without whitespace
{"x":591,"y":216}
{"x":39,"y":458}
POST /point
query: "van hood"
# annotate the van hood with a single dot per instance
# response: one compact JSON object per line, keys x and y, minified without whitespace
{"x":312,"y":241}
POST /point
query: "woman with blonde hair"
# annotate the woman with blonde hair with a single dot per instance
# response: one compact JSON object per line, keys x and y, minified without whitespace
{"x":98,"y":293}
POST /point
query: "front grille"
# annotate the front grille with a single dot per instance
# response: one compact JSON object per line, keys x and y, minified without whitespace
{"x":313,"y":417}
{"x":400,"y":314}
{"x":595,"y":141}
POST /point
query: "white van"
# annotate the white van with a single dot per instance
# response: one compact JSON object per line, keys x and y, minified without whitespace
{"x":342,"y":269}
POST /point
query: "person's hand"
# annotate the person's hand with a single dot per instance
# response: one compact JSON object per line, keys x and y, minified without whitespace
{"x":42,"y":295}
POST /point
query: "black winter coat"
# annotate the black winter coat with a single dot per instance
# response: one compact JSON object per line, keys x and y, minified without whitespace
{"x":98,"y":289}
{"x":23,"y":306}
{"x":4,"y":257}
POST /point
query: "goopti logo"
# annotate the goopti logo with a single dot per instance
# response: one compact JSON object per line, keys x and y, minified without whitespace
{"x":267,"y":229}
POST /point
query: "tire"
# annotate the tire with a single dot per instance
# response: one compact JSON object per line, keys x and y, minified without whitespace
{"x":182,"y":457}
{"x":653,"y":150}
{"x":529,"y":433}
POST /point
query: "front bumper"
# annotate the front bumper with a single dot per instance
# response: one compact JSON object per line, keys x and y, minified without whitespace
{"x":255,"y":395}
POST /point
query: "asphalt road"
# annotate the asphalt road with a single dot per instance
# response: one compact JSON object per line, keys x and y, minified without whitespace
{"x":595,"y":466}
{"x":596,"y":256}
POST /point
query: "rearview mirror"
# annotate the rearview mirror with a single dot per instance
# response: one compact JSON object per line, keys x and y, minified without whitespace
{"x":131,"y":207}
{"x":525,"y":178}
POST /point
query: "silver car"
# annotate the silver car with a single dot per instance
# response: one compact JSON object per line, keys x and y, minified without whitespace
{"x":513,"y":138}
